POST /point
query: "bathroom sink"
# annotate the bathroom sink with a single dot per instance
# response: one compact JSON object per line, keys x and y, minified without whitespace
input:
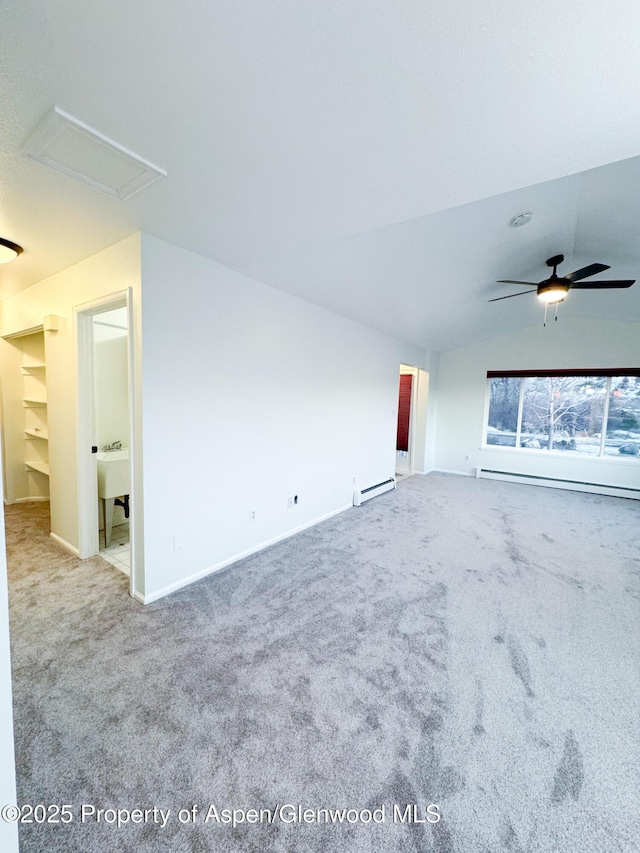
{"x":113,"y":473}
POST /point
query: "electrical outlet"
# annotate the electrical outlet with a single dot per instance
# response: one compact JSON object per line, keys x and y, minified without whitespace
{"x":466,"y":457}
{"x":177,"y":542}
{"x":295,"y":500}
{"x":290,"y":503}
{"x":354,"y":479}
{"x":252,"y":515}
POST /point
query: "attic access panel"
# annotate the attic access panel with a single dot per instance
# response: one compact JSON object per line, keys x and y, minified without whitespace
{"x":70,"y":146}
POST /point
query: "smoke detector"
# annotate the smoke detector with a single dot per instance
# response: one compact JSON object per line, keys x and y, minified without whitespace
{"x":521,"y":219}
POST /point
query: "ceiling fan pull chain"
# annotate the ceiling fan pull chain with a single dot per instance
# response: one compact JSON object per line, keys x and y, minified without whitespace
{"x":545,"y":313}
{"x":557,"y":303}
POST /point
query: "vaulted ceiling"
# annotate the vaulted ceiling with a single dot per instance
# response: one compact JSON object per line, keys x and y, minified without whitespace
{"x":366,"y":156}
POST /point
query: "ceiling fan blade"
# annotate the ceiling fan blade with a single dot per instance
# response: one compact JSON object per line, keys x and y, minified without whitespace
{"x":597,"y":285}
{"x":511,"y":295}
{"x":511,"y":281}
{"x":585,"y":272}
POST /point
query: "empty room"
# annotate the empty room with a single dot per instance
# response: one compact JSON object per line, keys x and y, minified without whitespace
{"x":320,"y":412}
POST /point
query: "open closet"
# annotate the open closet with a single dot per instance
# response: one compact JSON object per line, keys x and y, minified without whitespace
{"x":24,"y":415}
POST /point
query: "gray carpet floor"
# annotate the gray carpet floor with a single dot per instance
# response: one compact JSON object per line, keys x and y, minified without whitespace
{"x":458,"y":642}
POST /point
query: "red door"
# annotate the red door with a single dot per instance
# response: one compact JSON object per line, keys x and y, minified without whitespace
{"x":404,"y":411}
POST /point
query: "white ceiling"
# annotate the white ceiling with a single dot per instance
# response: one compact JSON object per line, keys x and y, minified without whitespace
{"x":366,"y":156}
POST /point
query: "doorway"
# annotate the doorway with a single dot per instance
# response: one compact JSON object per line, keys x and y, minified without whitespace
{"x":106,"y":446}
{"x":406,"y":421}
{"x":111,"y":402}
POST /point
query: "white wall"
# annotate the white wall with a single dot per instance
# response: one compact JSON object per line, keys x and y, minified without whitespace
{"x":111,"y":387}
{"x":250,"y":396}
{"x":110,"y":271}
{"x":8,"y":831}
{"x":111,"y":392}
{"x":419,"y":461}
{"x":570,"y":343}
{"x":432,"y":412}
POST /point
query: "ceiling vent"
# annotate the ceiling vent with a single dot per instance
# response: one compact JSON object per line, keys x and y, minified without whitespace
{"x":68,"y":145}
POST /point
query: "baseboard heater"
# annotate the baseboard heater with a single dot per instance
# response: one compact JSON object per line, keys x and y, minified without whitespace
{"x":361,"y":496}
{"x":558,"y":483}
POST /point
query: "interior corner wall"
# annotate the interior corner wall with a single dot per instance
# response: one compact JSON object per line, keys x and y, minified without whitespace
{"x":432,"y":412}
{"x":571,"y":343}
{"x":112,"y":270}
{"x":251,"y":396}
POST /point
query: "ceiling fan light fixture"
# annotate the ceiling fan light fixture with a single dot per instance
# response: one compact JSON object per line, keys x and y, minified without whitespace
{"x":554,"y":290}
{"x":8,"y":251}
{"x":552,"y":294}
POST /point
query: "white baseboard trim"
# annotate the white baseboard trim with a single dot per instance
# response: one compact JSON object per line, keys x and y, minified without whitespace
{"x":174,"y":587}
{"x":24,"y":501}
{"x":65,"y":544}
{"x":450,"y":471}
{"x":567,"y":485}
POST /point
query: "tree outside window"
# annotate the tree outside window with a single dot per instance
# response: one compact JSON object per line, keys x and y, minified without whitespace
{"x":594,"y":414}
{"x":557,"y":410}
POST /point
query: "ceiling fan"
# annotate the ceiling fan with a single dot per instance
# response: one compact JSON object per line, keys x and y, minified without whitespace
{"x":555,"y":288}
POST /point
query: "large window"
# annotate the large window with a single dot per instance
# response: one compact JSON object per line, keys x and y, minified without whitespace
{"x":596,"y":413}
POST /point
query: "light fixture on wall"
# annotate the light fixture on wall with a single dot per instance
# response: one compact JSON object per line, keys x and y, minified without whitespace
{"x":8,"y":250}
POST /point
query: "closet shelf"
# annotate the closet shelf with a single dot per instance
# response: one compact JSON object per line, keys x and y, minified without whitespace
{"x":42,"y":467}
{"x":32,"y":368}
{"x":33,"y":433}
{"x":33,"y":404}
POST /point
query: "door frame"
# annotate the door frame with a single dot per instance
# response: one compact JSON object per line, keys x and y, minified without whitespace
{"x":88,"y":535}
